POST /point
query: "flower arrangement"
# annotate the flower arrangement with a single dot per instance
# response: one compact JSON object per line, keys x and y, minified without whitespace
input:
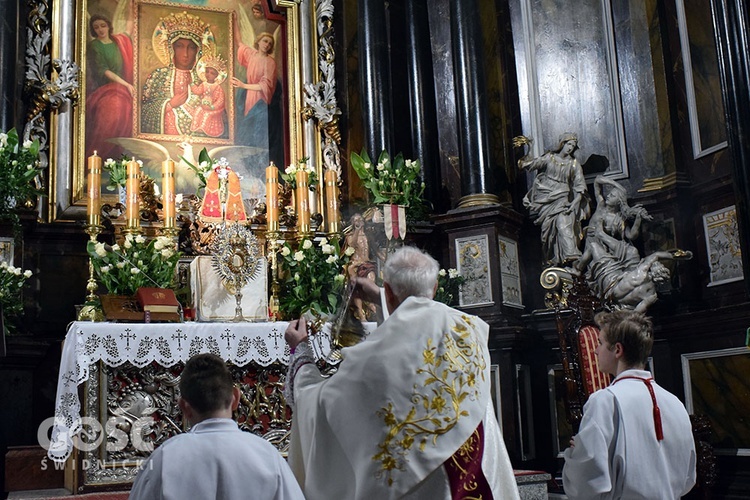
{"x":289,"y":175}
{"x":203,"y":169}
{"x":396,"y":181}
{"x":19,"y":166}
{"x":312,"y":277}
{"x":123,"y":269}
{"x":449,"y":284}
{"x":118,"y":172}
{"x":12,"y":280}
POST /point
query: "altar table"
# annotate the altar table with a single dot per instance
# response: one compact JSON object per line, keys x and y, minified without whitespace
{"x":130,"y":373}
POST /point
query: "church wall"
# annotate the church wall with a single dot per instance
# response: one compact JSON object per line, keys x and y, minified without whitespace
{"x":690,"y":316}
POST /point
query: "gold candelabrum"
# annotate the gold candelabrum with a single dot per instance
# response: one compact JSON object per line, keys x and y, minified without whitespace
{"x":92,"y":311}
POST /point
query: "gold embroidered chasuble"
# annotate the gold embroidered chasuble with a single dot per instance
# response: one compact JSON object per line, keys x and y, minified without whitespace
{"x":401,"y":404}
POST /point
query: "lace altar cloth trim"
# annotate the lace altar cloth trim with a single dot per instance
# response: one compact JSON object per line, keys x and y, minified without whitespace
{"x":141,"y":344}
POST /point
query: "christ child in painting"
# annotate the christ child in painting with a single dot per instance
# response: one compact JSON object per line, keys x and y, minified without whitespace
{"x":210,"y":114}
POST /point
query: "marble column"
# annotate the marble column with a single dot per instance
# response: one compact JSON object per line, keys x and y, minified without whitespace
{"x":422,"y":96}
{"x":478,"y":179}
{"x":8,"y":50}
{"x":732,"y":22}
{"x":374,"y":77}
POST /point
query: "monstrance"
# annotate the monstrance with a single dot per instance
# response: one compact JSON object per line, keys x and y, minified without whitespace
{"x":237,"y":258}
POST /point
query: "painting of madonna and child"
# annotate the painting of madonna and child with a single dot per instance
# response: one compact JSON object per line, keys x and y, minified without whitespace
{"x":166,"y":79}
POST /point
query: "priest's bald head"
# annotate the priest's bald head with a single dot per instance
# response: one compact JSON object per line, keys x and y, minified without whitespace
{"x":206,"y":389}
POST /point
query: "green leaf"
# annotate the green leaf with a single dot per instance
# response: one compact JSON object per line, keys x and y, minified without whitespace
{"x":203,"y":156}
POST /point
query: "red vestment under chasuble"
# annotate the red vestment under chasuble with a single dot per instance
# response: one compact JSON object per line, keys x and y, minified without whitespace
{"x":407,"y":415}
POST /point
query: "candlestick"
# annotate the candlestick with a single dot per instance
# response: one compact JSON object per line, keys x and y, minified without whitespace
{"x":272,"y":197}
{"x":93,"y":207}
{"x":303,"y":204}
{"x":133,"y":186}
{"x":168,"y":195}
{"x":332,"y":201}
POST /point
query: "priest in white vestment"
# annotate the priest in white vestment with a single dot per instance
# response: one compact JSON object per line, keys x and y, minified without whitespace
{"x":215,"y":459}
{"x":635,"y":440}
{"x":408,"y":414}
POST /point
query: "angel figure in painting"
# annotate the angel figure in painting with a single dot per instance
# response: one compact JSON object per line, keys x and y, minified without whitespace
{"x":109,"y":82}
{"x":558,"y":199}
{"x":257,"y":82}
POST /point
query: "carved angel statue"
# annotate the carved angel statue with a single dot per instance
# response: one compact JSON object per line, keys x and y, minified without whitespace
{"x":613,"y":265}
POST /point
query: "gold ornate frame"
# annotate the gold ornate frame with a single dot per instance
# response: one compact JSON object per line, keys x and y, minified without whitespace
{"x":54,"y":49}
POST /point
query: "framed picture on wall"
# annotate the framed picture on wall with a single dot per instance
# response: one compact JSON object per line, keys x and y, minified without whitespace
{"x":723,"y":246}
{"x":7,"y":253}
{"x":236,"y":69}
{"x":716,"y":386}
{"x":473,"y":263}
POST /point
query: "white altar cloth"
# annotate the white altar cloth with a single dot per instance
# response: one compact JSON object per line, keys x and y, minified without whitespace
{"x":143,"y":343}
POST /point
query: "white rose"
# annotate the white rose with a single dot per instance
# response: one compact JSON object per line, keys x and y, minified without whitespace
{"x":127,"y":243}
{"x":299,"y":256}
{"x":380,"y":167}
{"x":17,"y":271}
{"x":120,"y":265}
{"x":323,"y":242}
{"x":105,"y":269}
{"x":285,"y":251}
{"x":296,"y":276}
{"x":158,"y":244}
{"x":307,"y":245}
{"x":27,"y":274}
{"x":109,"y":162}
{"x":115,"y":247}
{"x":140,"y":239}
{"x":99,"y":249}
{"x":331,"y":259}
{"x":452,"y":273}
{"x":441,"y":272}
{"x":26,"y":144}
{"x":134,"y":270}
{"x":167,"y":253}
{"x":349,"y":251}
{"x":290,"y":170}
{"x":339,"y":278}
{"x":328,"y":249}
{"x":368,"y":166}
{"x":3,"y":139}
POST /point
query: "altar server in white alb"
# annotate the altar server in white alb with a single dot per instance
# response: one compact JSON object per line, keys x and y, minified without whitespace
{"x":215,"y":459}
{"x":408,"y":414}
{"x":635,"y":439}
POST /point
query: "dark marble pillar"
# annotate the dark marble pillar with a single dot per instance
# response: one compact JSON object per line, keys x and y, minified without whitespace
{"x":422,"y":97}
{"x":8,"y":49}
{"x":374,"y":77}
{"x":478,"y":182}
{"x":732,"y":23}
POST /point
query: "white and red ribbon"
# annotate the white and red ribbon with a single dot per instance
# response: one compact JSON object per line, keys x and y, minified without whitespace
{"x":395,"y":221}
